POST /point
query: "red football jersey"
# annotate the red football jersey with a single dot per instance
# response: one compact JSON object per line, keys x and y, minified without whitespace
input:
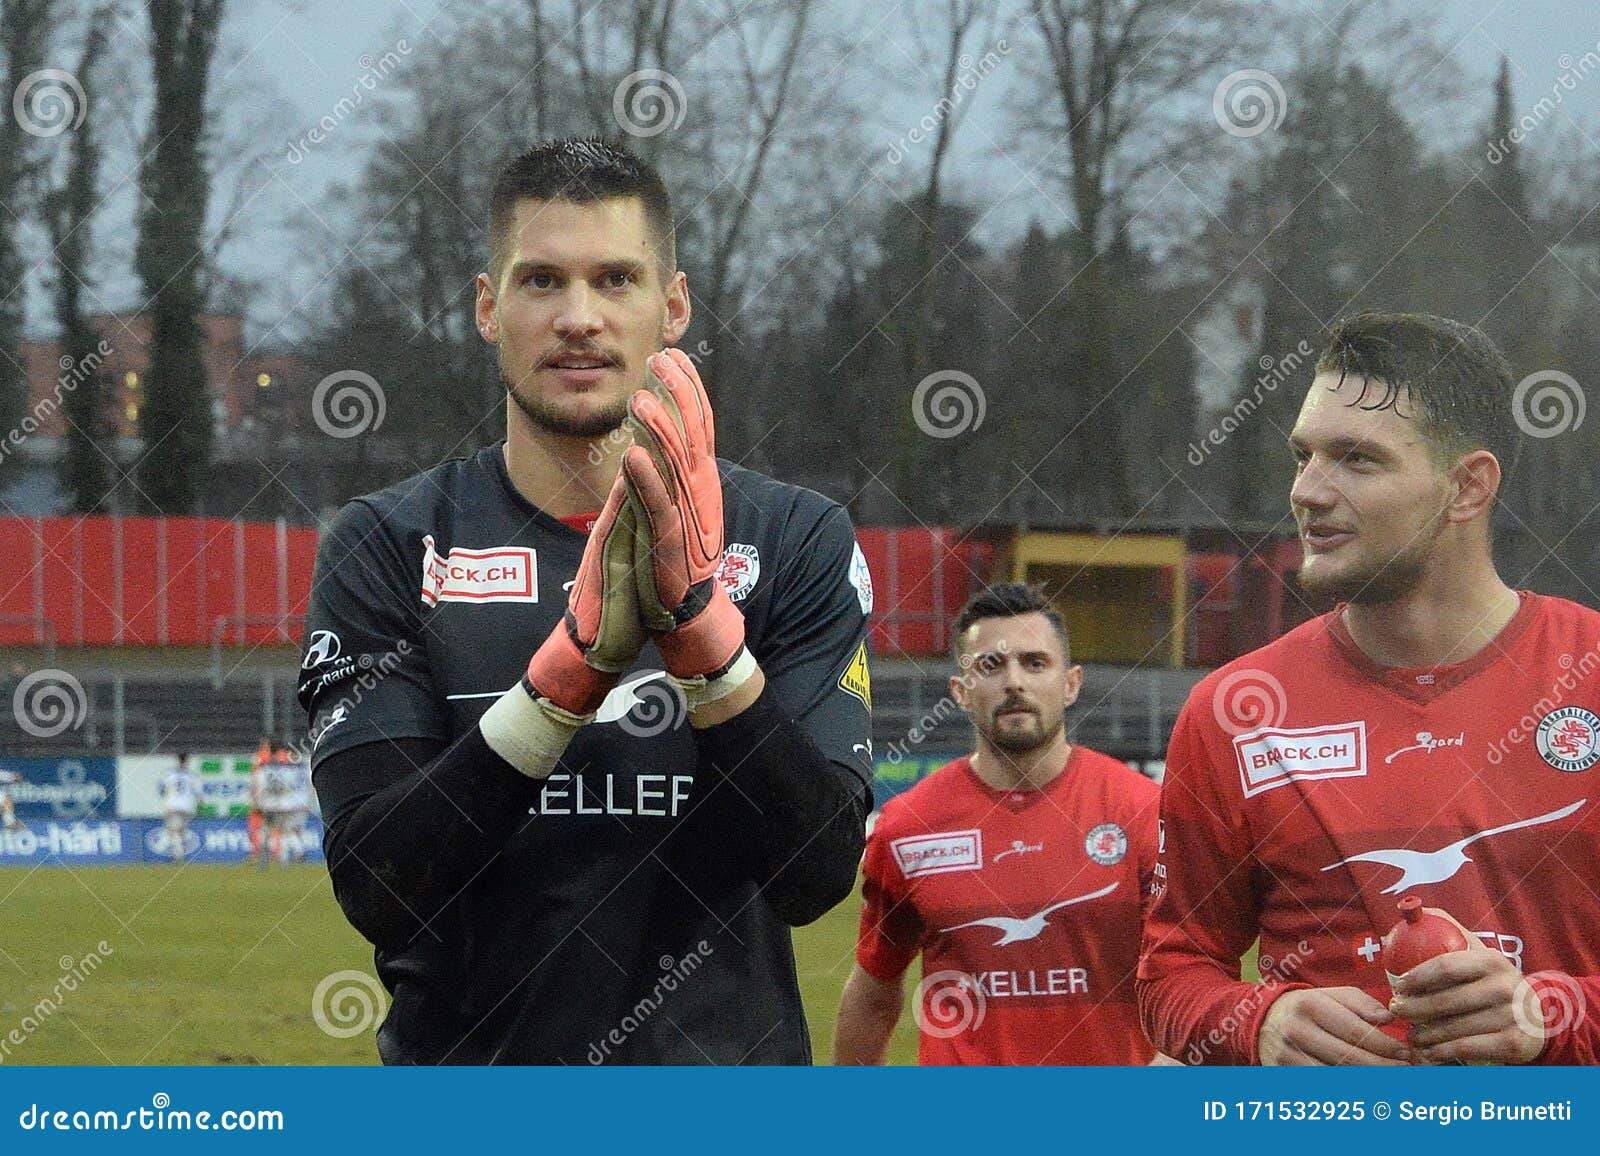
{"x":1025,"y":907}
{"x":1308,"y":789}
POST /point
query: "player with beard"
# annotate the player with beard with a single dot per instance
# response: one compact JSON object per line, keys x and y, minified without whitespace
{"x":1017,"y":872}
{"x":1433,"y":735}
{"x":602,"y":862}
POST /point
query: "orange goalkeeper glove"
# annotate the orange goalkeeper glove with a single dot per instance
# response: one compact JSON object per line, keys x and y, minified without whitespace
{"x":672,"y":475}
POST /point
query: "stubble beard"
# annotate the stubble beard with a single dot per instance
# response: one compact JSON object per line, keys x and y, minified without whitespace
{"x":1376,"y":584}
{"x":1019,"y":742}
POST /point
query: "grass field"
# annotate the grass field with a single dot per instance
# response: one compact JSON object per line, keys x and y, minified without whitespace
{"x":218,"y":965}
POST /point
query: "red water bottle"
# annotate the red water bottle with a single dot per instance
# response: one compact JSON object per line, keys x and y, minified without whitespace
{"x":1417,"y":938}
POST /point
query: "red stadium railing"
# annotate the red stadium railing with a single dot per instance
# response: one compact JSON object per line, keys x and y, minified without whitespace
{"x":214,"y":582}
{"x":115,"y":581}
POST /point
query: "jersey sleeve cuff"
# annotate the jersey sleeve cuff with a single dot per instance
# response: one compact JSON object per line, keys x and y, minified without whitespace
{"x":881,"y":965}
{"x":1273,"y":993}
{"x":531,"y":734}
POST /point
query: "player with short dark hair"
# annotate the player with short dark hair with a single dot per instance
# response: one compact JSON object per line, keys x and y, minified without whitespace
{"x":1018,"y":873}
{"x":602,"y":862}
{"x":1434,"y":735}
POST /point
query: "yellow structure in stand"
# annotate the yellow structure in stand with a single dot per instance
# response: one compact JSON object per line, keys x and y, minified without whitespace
{"x":1124,"y":596}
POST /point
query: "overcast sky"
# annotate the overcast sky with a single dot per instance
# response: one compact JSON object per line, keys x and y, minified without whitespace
{"x":308,"y":56}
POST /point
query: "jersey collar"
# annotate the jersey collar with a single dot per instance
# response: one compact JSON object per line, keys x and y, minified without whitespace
{"x":1423,"y":684}
{"x":493,"y":459}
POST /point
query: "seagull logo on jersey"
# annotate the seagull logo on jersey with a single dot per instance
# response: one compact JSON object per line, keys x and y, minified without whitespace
{"x":1014,"y":930}
{"x":1418,"y":868}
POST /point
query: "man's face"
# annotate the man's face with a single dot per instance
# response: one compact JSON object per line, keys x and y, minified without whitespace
{"x":1369,"y":495}
{"x":1018,"y":684}
{"x":579,"y":305}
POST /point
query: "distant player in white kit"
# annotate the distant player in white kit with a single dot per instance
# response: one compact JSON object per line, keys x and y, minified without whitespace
{"x":8,"y":809}
{"x":284,"y":798}
{"x":297,"y":807}
{"x":180,"y":799}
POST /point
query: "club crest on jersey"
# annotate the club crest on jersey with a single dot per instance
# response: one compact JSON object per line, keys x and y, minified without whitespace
{"x":739,"y":569}
{"x":1569,"y":739}
{"x":1106,"y":844}
{"x":936,"y":854}
{"x":1277,"y":756}
{"x":497,"y":574}
{"x":861,"y":578}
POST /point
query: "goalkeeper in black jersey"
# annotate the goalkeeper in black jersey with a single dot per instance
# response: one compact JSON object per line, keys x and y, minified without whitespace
{"x":590,"y":706}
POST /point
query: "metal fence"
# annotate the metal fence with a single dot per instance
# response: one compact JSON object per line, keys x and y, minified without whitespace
{"x":1125,"y":712}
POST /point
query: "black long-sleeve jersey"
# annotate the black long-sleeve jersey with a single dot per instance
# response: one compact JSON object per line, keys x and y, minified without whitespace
{"x":634,"y":906}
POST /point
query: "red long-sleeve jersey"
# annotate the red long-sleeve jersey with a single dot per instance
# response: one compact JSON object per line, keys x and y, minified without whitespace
{"x":1025,"y":907}
{"x":1308,"y":789}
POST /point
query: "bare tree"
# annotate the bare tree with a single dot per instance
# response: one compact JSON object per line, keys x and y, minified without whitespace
{"x":960,"y":19}
{"x":176,"y":418}
{"x":25,"y":32}
{"x":70,"y":210}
